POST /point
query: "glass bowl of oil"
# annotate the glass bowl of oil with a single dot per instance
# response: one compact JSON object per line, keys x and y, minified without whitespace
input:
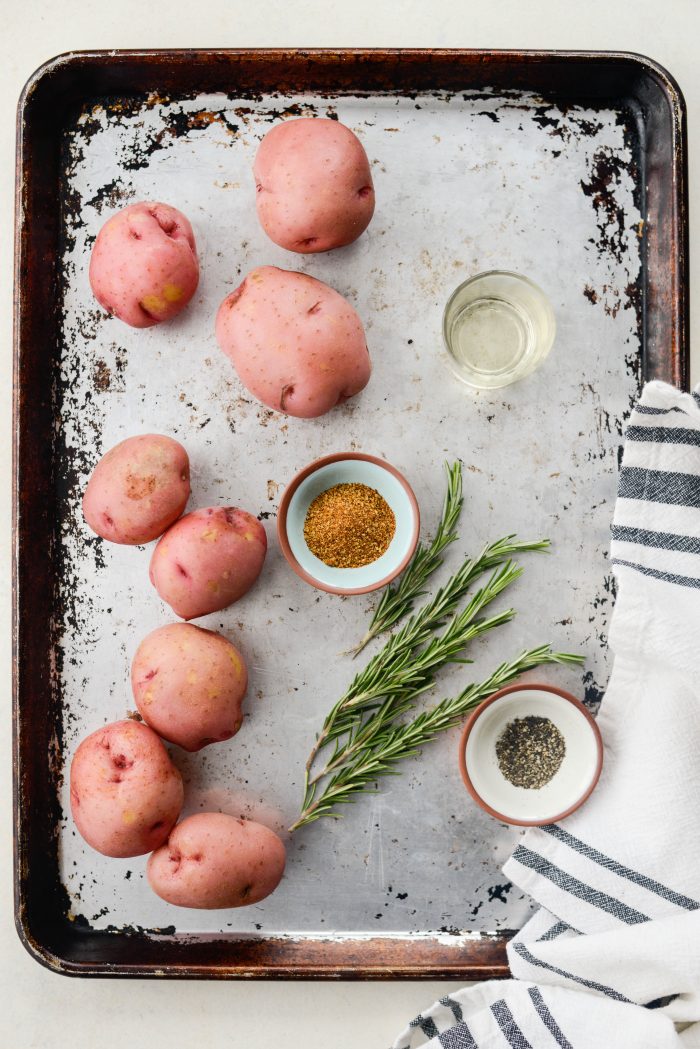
{"x":498,"y":327}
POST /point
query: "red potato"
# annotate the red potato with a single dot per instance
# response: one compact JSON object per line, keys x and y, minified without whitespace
{"x":212,"y":861}
{"x":297,"y":345}
{"x":125,"y":793}
{"x":189,"y":685}
{"x":208,"y":559}
{"x":144,"y":267}
{"x":138,"y":489}
{"x":314,"y":188}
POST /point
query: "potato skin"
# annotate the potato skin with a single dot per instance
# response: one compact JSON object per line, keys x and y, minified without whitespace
{"x":144,"y":267}
{"x":297,"y":345}
{"x":125,"y":793}
{"x":208,"y":559}
{"x":189,"y":684}
{"x":314,"y":189}
{"x":138,"y":489}
{"x":212,"y":861}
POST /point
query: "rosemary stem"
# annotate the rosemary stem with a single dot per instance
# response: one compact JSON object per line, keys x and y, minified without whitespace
{"x":398,"y":600}
{"x":380,"y":673}
{"x":392,"y":708}
{"x":405,"y":739}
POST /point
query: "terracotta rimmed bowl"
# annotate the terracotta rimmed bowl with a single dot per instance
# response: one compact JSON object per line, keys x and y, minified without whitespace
{"x":348,"y":468}
{"x":569,"y":787}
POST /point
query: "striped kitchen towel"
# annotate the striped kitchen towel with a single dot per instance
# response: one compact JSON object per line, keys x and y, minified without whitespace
{"x":657,"y":525}
{"x":612,"y":958}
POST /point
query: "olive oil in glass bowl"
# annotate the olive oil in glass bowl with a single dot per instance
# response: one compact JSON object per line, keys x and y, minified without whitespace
{"x":498,"y":327}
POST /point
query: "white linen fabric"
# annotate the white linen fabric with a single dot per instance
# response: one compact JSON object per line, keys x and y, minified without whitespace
{"x":612,"y":958}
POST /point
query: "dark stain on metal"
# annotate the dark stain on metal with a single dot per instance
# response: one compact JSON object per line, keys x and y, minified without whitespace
{"x":593,"y":693}
{"x":542,"y":119}
{"x":587,"y":127}
{"x":606,"y":172}
{"x":101,"y":375}
{"x":112,"y":194}
{"x":499,"y":892}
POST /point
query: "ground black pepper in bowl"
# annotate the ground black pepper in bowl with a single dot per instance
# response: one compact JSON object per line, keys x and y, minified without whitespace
{"x":530,"y":751}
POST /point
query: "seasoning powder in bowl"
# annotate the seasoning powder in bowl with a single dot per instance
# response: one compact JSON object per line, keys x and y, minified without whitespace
{"x":349,"y":525}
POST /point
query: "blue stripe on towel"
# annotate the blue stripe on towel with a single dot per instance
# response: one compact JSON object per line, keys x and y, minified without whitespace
{"x":426,"y":1024}
{"x":554,"y":931}
{"x":682,"y":544}
{"x":453,"y":1005}
{"x":663,"y":434}
{"x":457,"y":1037}
{"x":646,"y":409}
{"x":526,"y":956}
{"x":567,"y":883}
{"x":668,"y":577}
{"x":659,"y":486}
{"x":547,"y":1018}
{"x":510,"y":1030}
{"x":661,"y":1003}
{"x":602,"y":860}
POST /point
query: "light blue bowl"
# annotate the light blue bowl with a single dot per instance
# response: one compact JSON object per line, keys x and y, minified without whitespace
{"x":348,"y":468}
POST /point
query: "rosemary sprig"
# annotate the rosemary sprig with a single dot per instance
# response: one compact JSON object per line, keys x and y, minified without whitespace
{"x":398,"y":600}
{"x":374,"y":724}
{"x":409,"y":675}
{"x":396,"y":742}
{"x":380,"y":677}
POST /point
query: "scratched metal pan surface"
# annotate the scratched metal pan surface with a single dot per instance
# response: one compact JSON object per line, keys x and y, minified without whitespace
{"x":567,"y":168}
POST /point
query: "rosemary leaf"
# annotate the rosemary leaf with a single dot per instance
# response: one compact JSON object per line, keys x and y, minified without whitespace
{"x":405,"y":681}
{"x":398,"y":741}
{"x":381,"y":676}
{"x":365,"y":731}
{"x":399,"y":599}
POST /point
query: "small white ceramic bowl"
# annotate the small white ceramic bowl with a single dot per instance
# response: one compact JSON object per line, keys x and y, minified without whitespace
{"x":348,"y":468}
{"x":569,"y":787}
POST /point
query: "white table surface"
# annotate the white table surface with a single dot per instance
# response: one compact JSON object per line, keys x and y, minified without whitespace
{"x":40,"y":1009}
